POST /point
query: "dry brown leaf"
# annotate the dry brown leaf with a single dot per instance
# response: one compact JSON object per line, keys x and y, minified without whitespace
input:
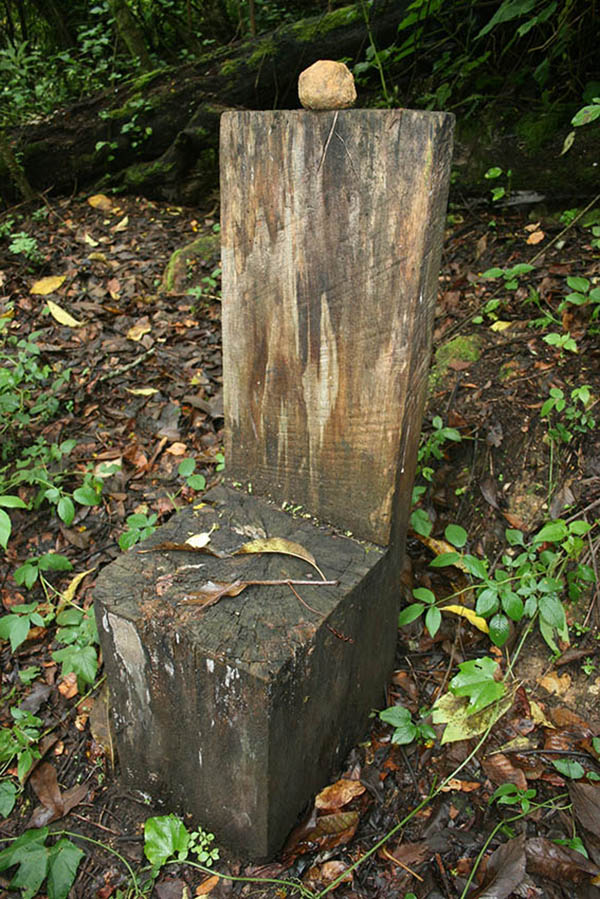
{"x":207,"y":885}
{"x":338,"y":794}
{"x":55,"y":804}
{"x":122,"y":225}
{"x":137,"y":331}
{"x":280,"y":545}
{"x":505,"y":870}
{"x":319,"y":876}
{"x":500,"y":770}
{"x":555,"y":683}
{"x":586,"y":805}
{"x":558,"y":863}
{"x":535,"y":237}
{"x":211,"y":592}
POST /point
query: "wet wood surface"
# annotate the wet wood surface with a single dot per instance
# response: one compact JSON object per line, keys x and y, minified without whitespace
{"x":332,"y":226}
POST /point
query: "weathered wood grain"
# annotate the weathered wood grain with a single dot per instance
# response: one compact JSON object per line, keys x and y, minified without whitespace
{"x":332,"y":225}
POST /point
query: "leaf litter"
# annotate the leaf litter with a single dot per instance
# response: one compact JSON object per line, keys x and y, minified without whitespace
{"x":146,"y":374}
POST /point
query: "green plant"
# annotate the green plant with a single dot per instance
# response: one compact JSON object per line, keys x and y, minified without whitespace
{"x":431,"y":448}
{"x":499,"y":192}
{"x":28,"y":573}
{"x":576,"y":415}
{"x":209,"y":287}
{"x":37,"y":862}
{"x":139,"y":526}
{"x":529,"y":584}
{"x":510,"y":276}
{"x":561,"y":342}
{"x":583,"y":294}
{"x":25,"y":245}
{"x":186,"y":470}
{"x":20,"y":742}
{"x":16,"y":624}
{"x":78,"y":632}
{"x":405,"y":730}
{"x":510,"y":794}
{"x":584,"y":116}
{"x":166,"y":839}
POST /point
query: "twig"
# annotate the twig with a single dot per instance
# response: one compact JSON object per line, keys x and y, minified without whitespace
{"x":392,"y":858}
{"x":130,"y":365}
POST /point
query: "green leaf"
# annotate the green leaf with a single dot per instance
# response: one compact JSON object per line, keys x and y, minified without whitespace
{"x":30,"y":854}
{"x":128,"y":539}
{"x":433,"y":619}
{"x":512,"y":604}
{"x":82,"y":660}
{"x":487,"y":602}
{"x":493,"y":273}
{"x":64,"y":859}
{"x":424,"y":595}
{"x":12,"y":502}
{"x":86,"y":496}
{"x":165,"y":837}
{"x":553,"y":532}
{"x":14,"y":628}
{"x":196,"y":482}
{"x":586,"y":115}
{"x":8,"y":796}
{"x":494,"y":172}
{"x":499,"y":630}
{"x":456,"y":535}
{"x":445,"y":559}
{"x":54,"y":562}
{"x":476,"y":680}
{"x":569,"y":767}
{"x":410,"y":613}
{"x":400,"y":718}
{"x":475,"y":566}
{"x":421,"y":523}
{"x":66,"y":510}
{"x":186,"y":467}
{"x":552,"y":611}
{"x":509,"y":10}
{"x":5,"y":528}
{"x":579,"y":527}
{"x":514,"y":537}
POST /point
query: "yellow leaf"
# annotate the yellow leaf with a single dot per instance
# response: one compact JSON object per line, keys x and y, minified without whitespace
{"x":176,"y":449}
{"x":100,"y":201}
{"x":142,"y":391}
{"x":280,"y":545}
{"x":47,"y":285}
{"x":136,"y":332}
{"x":90,"y":240}
{"x":500,"y":326}
{"x":440,"y":547}
{"x":62,"y":316}
{"x":68,"y":595}
{"x":476,"y":620}
{"x":122,"y":225}
{"x":460,"y":725}
{"x":97,"y":257}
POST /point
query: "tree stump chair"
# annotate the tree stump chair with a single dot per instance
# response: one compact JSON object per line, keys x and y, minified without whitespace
{"x":242,"y":671}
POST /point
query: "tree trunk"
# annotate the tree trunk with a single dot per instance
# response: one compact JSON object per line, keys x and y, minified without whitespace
{"x":131,"y":34}
{"x":169,"y":147}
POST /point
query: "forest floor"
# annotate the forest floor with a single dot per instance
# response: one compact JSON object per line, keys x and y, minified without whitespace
{"x":143,"y":394}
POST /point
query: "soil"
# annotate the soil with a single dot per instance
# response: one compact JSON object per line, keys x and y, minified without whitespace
{"x":144,"y":391}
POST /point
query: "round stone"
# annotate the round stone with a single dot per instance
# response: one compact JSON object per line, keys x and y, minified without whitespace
{"x":326,"y":85}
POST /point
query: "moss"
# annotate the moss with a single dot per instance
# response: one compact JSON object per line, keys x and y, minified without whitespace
{"x":144,"y":172}
{"x":207,"y":246}
{"x":144,"y":80}
{"x":463,"y":349}
{"x":230,"y":67}
{"x":538,"y":129}
{"x":265,"y":49}
{"x":337,"y":18}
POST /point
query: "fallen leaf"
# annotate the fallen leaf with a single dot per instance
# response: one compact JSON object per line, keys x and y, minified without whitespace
{"x":47,"y":285}
{"x":122,"y":225}
{"x":171,"y":888}
{"x":68,"y":595}
{"x":463,"y":786}
{"x":334,"y":830}
{"x":280,"y":545}
{"x":211,"y":592}
{"x":55,"y":804}
{"x":322,"y":875}
{"x":62,"y":316}
{"x":558,"y":863}
{"x":207,"y":885}
{"x":337,"y":795}
{"x":471,"y":616}
{"x":500,"y":769}
{"x":68,"y":686}
{"x":586,"y":805}
{"x":90,"y":240}
{"x":177,"y":449}
{"x":535,"y":237}
{"x":197,"y":541}
{"x":100,"y":201}
{"x":142,"y":391}
{"x":137,"y":331}
{"x":500,"y":325}
{"x":460,"y":725}
{"x":555,"y":683}
{"x":505,"y":870}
